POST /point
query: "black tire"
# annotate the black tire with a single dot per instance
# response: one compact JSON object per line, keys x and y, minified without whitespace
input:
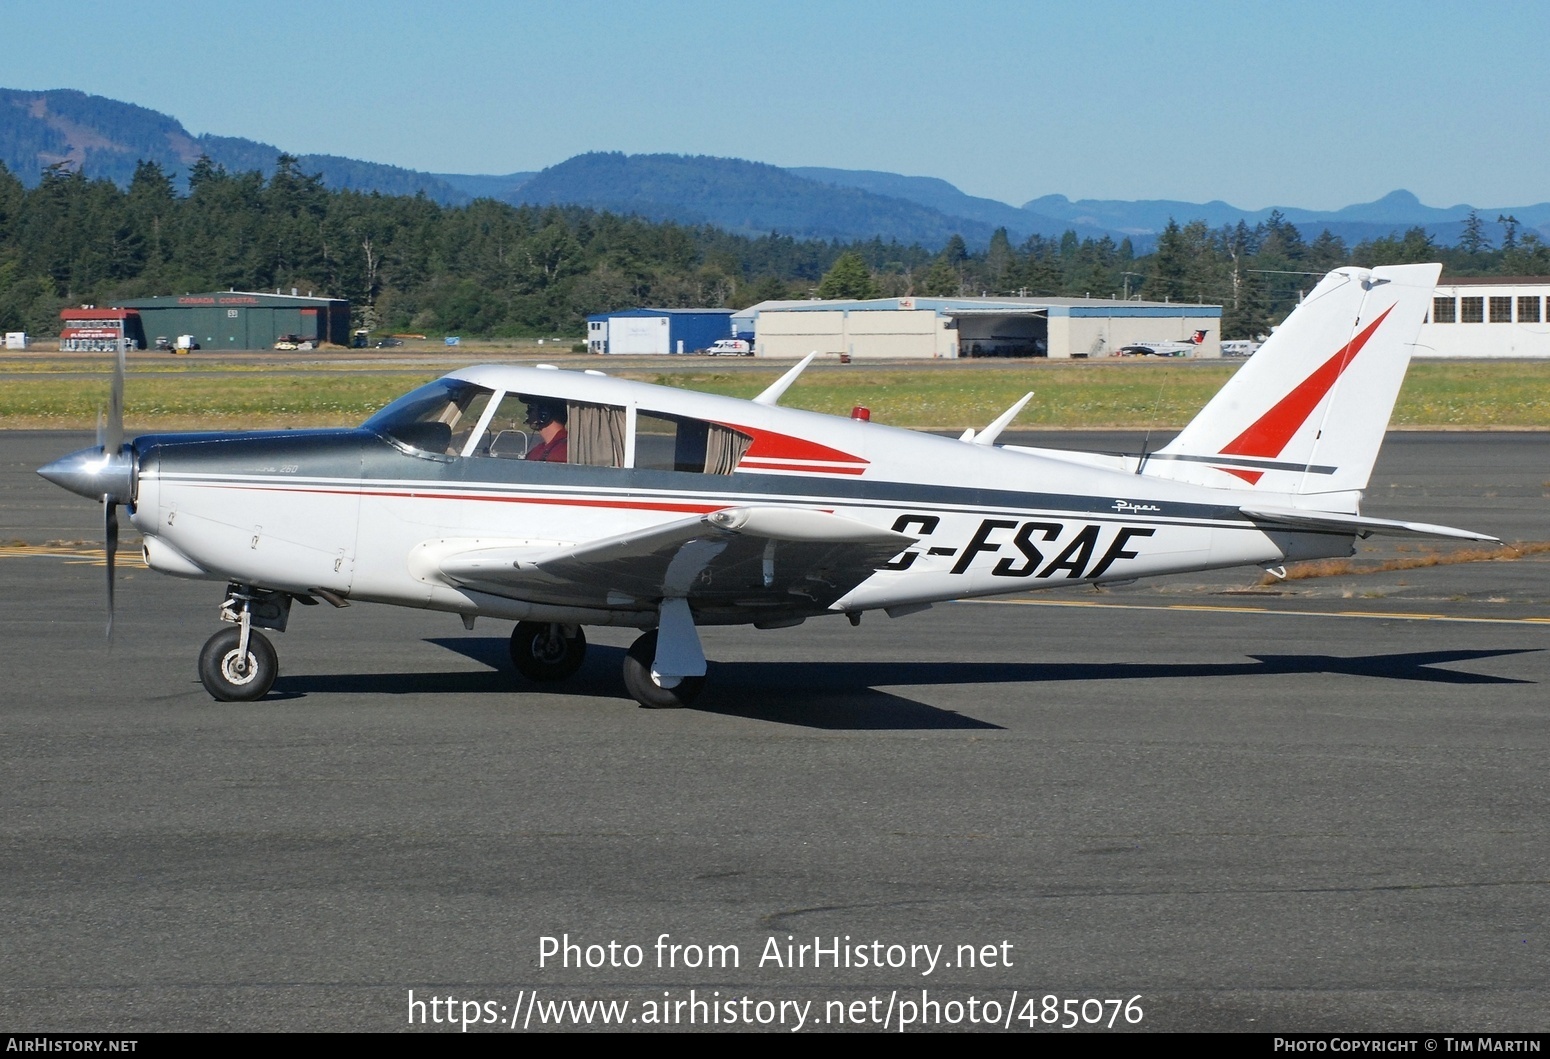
{"x":645,"y":690}
{"x":543,"y":652}
{"x":219,"y":671}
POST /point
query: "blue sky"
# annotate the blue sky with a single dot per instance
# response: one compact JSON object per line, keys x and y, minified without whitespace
{"x":1306,"y":104}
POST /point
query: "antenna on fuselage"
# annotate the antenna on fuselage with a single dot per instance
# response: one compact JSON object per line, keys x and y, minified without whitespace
{"x":989,"y":435}
{"x":771,"y":395}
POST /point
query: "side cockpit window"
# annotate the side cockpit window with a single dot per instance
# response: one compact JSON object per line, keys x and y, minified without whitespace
{"x":542,"y":429}
{"x":507,"y":435}
{"x":677,"y":443}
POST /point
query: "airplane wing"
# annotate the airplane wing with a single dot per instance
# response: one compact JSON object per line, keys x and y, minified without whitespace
{"x":1358,"y":525}
{"x":752,"y":558}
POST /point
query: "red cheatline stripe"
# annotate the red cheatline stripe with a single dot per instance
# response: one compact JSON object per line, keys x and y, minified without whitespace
{"x":764,"y":465}
{"x":641,"y":505}
{"x":1269,"y":434}
{"x":632,"y":504}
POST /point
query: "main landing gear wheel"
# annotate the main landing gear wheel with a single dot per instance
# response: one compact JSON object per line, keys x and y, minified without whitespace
{"x":545,"y":651}
{"x":645,"y":689}
{"x":230,"y":678}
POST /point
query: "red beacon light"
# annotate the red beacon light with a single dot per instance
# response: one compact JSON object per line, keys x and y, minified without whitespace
{"x":861,"y":412}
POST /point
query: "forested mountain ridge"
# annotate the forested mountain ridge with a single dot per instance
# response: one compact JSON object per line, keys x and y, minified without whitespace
{"x":106,"y":138}
{"x":406,"y":262}
{"x":940,"y":195}
{"x":1396,"y":211}
{"x":502,"y":188}
{"x":747,"y":198}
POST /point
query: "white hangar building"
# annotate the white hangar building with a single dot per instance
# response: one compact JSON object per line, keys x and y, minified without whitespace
{"x":1058,"y":328}
{"x":1488,"y":316}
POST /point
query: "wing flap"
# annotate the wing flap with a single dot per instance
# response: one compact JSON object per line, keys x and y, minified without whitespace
{"x":751,"y":557}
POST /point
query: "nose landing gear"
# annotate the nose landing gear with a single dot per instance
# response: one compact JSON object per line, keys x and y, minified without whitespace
{"x":239,"y":664}
{"x":234,"y":671}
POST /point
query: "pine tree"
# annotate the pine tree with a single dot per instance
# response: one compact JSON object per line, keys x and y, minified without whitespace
{"x":1473,"y":241}
{"x":1247,"y":315}
{"x":1165,"y":279}
{"x":999,"y":260}
{"x":941,"y":280}
{"x":848,"y":277}
{"x":1327,"y":252}
{"x":1510,"y":234}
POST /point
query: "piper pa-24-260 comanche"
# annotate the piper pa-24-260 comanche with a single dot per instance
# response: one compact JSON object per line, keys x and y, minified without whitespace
{"x":668,"y":510}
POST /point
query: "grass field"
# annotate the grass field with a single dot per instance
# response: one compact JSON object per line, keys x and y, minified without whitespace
{"x":257,"y":393}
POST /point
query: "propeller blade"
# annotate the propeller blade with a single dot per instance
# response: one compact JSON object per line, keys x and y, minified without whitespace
{"x":115,"y":435}
{"x":102,"y":428}
{"x":110,"y":549}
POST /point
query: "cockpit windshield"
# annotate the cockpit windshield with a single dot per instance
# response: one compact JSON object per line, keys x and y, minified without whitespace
{"x":439,"y":417}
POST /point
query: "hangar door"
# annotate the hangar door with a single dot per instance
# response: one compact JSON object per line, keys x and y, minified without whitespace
{"x":638,"y":334}
{"x":1003,"y":334}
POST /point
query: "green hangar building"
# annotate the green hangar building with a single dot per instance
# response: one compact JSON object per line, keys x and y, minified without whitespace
{"x":243,"y":319}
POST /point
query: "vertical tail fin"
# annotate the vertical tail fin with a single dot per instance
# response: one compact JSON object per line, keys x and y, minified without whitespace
{"x":1307,"y":413}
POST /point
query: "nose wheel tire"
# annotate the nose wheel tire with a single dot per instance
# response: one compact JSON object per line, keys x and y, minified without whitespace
{"x":545,"y":651}
{"x":230,"y":678}
{"x":646,"y":689}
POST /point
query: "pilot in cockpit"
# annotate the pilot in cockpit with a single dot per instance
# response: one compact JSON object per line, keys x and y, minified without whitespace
{"x":548,"y":418}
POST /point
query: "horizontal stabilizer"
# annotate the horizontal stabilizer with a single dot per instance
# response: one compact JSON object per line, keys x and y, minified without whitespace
{"x":1358,"y":525}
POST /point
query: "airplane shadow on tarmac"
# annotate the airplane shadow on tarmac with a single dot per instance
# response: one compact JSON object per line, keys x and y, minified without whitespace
{"x":846,"y":695}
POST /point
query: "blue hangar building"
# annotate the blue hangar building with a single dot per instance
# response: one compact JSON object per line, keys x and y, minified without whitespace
{"x":658,"y":331}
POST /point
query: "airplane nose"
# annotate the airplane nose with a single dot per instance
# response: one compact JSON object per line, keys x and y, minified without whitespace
{"x":95,"y":474}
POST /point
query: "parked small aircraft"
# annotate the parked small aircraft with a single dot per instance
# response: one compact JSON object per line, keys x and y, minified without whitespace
{"x":1163,"y":349}
{"x":561,"y":499}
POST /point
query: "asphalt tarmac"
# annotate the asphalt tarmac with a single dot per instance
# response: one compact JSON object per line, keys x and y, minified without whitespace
{"x":1318,"y":805}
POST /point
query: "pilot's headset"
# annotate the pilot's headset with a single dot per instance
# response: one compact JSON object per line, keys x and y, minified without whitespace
{"x":541,"y":413}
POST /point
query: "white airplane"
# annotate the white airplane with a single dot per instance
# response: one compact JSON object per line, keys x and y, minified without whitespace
{"x":1166,"y":348}
{"x":667,"y":510}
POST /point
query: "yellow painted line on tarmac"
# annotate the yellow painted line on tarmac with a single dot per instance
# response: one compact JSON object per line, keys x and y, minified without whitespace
{"x":74,"y":555}
{"x":1226,"y":609}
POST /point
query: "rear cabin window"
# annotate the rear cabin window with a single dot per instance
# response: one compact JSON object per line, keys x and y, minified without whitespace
{"x":676,"y":443}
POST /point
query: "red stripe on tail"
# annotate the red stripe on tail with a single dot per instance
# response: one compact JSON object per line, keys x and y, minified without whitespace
{"x":1271,"y":432}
